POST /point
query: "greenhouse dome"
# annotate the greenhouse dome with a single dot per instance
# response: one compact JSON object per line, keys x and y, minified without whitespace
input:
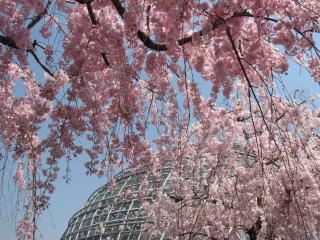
{"x":113,"y":214}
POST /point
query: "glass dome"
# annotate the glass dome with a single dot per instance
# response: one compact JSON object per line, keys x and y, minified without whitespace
{"x":116,"y":215}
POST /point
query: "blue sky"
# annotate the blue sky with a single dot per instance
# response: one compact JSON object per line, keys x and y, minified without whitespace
{"x":69,"y":198}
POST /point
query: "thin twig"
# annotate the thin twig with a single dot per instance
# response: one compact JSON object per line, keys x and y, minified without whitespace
{"x":39,"y":62}
{"x":37,"y":18}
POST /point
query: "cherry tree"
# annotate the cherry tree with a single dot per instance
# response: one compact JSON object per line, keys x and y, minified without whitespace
{"x":121,"y":83}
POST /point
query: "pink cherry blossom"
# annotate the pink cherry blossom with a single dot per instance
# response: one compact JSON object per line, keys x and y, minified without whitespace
{"x":199,"y":84}
{"x":18,"y":176}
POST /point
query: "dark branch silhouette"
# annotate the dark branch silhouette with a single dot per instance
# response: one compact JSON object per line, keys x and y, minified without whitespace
{"x":94,"y":22}
{"x":149,"y":43}
{"x":11,"y":43}
{"x":39,"y":62}
{"x":37,"y":18}
{"x":8,"y":42}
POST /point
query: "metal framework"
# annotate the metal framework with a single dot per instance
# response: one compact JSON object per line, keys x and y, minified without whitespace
{"x":114,"y":215}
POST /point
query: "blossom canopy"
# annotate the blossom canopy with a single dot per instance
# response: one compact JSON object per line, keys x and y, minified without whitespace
{"x":135,"y":83}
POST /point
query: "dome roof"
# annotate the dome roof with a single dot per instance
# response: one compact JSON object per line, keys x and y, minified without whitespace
{"x":114,"y":214}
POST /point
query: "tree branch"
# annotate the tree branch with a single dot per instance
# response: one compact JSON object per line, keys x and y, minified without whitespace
{"x":91,"y":14}
{"x":254,"y":230}
{"x":194,"y":234}
{"x":11,"y":43}
{"x":247,"y":79}
{"x":149,"y":43}
{"x":94,"y":22}
{"x":37,"y":18}
{"x":176,"y":198}
{"x":120,"y":9}
{"x":8,"y":42}
{"x":105,"y":59}
{"x":84,"y":1}
{"x":39,"y":62}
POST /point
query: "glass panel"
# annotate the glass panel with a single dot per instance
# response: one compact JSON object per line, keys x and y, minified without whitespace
{"x":104,"y":203}
{"x":105,"y":237}
{"x":122,"y":214}
{"x":86,"y":222}
{"x":82,"y":234}
{"x":134,"y":236}
{"x":133,"y":214}
{"x":80,"y":218}
{"x":109,"y":228}
{"x":113,"y":216}
{"x":124,"y":236}
{"x":136,"y":226}
{"x":99,"y":211}
{"x":114,"y":236}
{"x":73,"y":236}
{"x":90,"y":214}
{"x":91,"y":232}
{"x":142,"y":213}
{"x":76,"y":227}
{"x":125,"y":206}
{"x":70,"y":228}
{"x":96,"y":220}
{"x":99,"y":197}
{"x":136,"y":204}
{"x":115,"y":228}
{"x":96,"y":211}
{"x":103,"y":218}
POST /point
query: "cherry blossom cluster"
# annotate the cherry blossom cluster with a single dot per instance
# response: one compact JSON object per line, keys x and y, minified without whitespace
{"x":125,"y":83}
